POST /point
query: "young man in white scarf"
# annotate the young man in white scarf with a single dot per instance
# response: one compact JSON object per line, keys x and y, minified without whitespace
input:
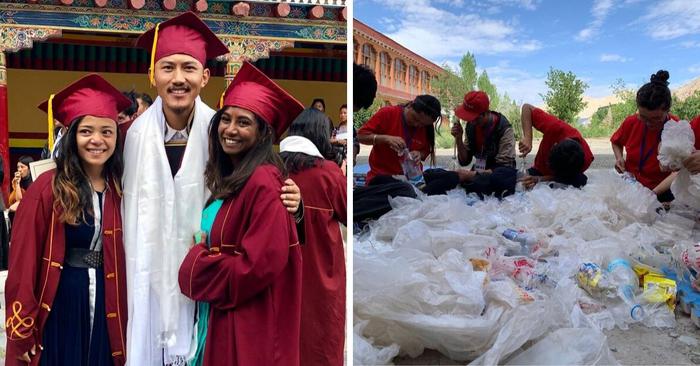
{"x":165,"y":153}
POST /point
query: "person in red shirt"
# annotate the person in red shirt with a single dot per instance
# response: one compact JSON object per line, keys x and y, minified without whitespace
{"x":640,"y":135}
{"x":563,"y":155}
{"x":394,"y":128}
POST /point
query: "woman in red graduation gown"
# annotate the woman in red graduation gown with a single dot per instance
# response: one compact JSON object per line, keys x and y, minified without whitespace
{"x":66,"y":286}
{"x":640,"y":135}
{"x":250,"y":271}
{"x":324,"y":189}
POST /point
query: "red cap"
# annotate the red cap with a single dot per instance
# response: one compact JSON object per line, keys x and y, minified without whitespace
{"x":254,"y":91}
{"x":475,"y":103}
{"x":183,"y":34}
{"x":90,"y":96}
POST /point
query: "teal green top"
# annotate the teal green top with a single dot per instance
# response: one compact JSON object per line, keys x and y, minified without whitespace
{"x":201,"y":325}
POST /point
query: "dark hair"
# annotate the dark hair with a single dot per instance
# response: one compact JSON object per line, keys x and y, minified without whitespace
{"x":655,"y":94}
{"x":364,"y":87}
{"x":25,"y":159}
{"x":145,"y":98}
{"x":130,"y":110}
{"x":343,"y":106}
{"x":71,"y":187}
{"x":313,"y":125}
{"x":430,"y":106}
{"x":566,"y":159}
{"x":223,"y":178}
{"x":319,"y":100}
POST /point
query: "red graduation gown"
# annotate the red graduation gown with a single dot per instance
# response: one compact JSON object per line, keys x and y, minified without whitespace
{"x":251,"y":277}
{"x":324,"y":190}
{"x":35,"y":264}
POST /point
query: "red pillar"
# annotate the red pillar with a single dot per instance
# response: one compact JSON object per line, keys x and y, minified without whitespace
{"x":4,"y":126}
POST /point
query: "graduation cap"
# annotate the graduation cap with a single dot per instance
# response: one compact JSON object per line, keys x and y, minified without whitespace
{"x":89,"y":96}
{"x":183,"y":34}
{"x":251,"y":89}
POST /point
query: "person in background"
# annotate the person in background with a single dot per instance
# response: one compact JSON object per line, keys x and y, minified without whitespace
{"x":249,"y":274}
{"x":58,"y":131}
{"x":339,"y":138}
{"x":563,"y":155}
{"x":308,"y":156}
{"x":319,"y":104}
{"x":144,"y":100}
{"x":129,"y":114}
{"x":66,"y":285}
{"x":636,"y":142}
{"x":490,"y":142}
{"x":20,"y":182}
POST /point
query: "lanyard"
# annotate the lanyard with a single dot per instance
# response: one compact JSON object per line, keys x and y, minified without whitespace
{"x":408,"y":137}
{"x":644,"y":156}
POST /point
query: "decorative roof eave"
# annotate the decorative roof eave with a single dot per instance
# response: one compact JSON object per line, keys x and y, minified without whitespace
{"x":109,"y":20}
{"x":14,"y":39}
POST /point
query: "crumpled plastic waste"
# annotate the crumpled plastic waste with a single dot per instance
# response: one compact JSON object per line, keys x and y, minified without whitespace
{"x":436,"y":272}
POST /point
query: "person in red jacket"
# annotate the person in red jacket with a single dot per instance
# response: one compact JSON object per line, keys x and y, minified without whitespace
{"x":395,"y":128}
{"x":640,"y":134}
{"x":66,"y":286}
{"x":250,"y":271}
{"x":308,"y":156}
{"x":563,"y":155}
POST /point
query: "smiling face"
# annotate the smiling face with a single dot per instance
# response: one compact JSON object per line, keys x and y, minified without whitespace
{"x":238,"y":132}
{"x":96,"y":139}
{"x":179,"y":79}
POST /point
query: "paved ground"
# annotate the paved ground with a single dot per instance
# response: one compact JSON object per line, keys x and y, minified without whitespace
{"x":604,"y":158}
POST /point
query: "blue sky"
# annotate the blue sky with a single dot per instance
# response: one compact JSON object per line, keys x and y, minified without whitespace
{"x":517,"y":41}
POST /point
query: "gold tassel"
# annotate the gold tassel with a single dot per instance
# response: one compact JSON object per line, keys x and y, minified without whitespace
{"x":151,"y":70}
{"x":51,"y":124}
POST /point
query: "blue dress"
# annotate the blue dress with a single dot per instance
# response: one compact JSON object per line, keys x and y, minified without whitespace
{"x":67,"y":338}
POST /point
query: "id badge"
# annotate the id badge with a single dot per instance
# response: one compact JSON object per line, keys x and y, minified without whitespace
{"x":480,"y":164}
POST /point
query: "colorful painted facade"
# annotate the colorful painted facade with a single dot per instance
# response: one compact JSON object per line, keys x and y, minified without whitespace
{"x":401,"y":73}
{"x":48,"y":43}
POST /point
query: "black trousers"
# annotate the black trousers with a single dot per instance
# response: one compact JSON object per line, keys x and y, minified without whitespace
{"x":577,"y":181}
{"x":372,"y":201}
{"x":500,"y":183}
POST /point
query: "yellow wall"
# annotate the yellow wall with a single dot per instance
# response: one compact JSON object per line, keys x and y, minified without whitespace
{"x":28,"y":88}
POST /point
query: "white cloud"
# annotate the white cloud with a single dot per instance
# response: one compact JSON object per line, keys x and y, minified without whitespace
{"x":669,"y":19}
{"x":690,"y":44}
{"x":611,"y":57}
{"x":521,"y":86}
{"x":438,"y":34}
{"x":695,"y":69}
{"x":600,"y":11}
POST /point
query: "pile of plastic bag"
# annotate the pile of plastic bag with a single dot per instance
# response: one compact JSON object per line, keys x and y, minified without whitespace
{"x":438,"y":273}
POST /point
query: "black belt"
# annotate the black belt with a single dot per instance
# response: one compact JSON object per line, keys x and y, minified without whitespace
{"x":83,"y":258}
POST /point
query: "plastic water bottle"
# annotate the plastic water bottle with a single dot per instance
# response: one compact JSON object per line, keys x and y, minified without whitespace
{"x":528,"y":242}
{"x":623,"y":277}
{"x":629,"y":177}
{"x":411,"y":168}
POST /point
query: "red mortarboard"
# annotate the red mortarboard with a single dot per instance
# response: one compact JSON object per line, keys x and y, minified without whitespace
{"x":475,"y":103}
{"x":254,"y":91}
{"x":183,"y":34}
{"x":89,"y":96}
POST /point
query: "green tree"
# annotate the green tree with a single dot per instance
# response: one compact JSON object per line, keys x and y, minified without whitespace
{"x":360,"y":117}
{"x":511,"y":110}
{"x":449,"y":88}
{"x":485,"y":86}
{"x":564,"y":98}
{"x":687,"y":108}
{"x":467,"y":66}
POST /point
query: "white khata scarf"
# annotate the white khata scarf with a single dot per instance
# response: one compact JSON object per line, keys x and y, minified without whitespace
{"x":299,"y":144}
{"x":160,"y":216}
